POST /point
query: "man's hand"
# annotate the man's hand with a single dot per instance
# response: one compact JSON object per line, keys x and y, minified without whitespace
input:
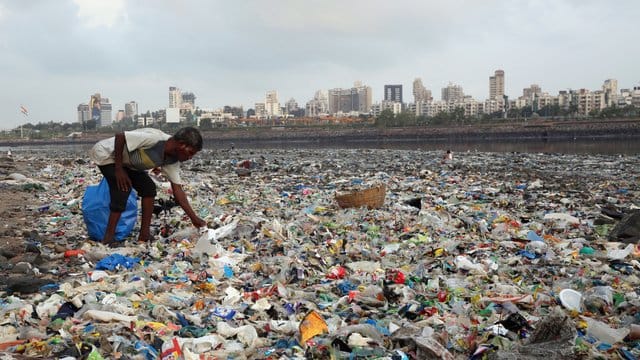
{"x":197,"y":222}
{"x":181,"y":199}
{"x":122,"y":179}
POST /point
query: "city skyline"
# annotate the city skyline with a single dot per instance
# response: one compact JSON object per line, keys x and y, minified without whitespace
{"x":55,"y":54}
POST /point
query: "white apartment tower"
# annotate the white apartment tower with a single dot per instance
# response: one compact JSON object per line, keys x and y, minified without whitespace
{"x":496,"y":85}
{"x":271,"y":104}
{"x":175,"y":97}
{"x":531,"y":92}
{"x":420,"y":93}
{"x":358,"y":99}
{"x":291,"y":106}
{"x":452,"y":93}
{"x":319,"y":105}
{"x":130,"y":110}
{"x":610,"y":89}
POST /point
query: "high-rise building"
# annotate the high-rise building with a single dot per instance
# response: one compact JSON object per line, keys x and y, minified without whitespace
{"x":175,"y":97}
{"x":130,"y":110}
{"x":420,"y":93}
{"x":105,"y":112}
{"x":393,"y":93}
{"x":98,"y":110}
{"x":271,"y":104}
{"x":260,"y":111}
{"x":496,"y":85}
{"x":452,"y":93}
{"x":532,"y":91}
{"x":95,"y":102}
{"x":120,"y":115}
{"x":365,"y":99}
{"x":318,"y":106}
{"x":188,"y":100}
{"x":610,"y":89}
{"x":291,"y":106}
{"x":356,"y":99}
{"x":84,"y":113}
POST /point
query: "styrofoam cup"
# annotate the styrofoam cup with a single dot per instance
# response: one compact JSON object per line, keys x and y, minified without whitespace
{"x":570,"y":299}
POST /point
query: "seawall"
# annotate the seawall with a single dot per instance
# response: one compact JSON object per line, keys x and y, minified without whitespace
{"x":462,"y":132}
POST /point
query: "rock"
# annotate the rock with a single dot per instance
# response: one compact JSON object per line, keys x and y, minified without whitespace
{"x":24,"y":284}
{"x":28,"y":257}
{"x":22,"y":268}
{"x":17,"y":177}
{"x":628,"y":229}
{"x":553,"y":338}
{"x":10,"y":248}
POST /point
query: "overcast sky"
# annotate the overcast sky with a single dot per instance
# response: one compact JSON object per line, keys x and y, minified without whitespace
{"x":55,"y":53}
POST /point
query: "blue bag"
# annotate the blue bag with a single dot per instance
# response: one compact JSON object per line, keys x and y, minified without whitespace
{"x":95,"y":211}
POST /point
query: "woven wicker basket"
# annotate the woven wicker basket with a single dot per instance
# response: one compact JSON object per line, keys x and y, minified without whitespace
{"x":372,"y":198}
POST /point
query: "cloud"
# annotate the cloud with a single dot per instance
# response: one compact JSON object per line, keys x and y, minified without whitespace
{"x":97,"y":13}
{"x":57,"y":53}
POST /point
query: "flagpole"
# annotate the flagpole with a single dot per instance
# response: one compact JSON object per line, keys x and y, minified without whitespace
{"x":24,"y":112}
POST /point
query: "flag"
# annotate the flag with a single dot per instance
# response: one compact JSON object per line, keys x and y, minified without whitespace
{"x":24,"y":110}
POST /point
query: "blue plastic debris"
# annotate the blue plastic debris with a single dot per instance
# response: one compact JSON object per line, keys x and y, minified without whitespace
{"x":114,"y":261}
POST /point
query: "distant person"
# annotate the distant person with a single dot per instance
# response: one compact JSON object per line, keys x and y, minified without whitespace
{"x":124,"y":160}
{"x":9,"y":152}
{"x":448,"y":156}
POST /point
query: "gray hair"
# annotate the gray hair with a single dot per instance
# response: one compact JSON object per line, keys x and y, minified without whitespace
{"x":189,"y":136}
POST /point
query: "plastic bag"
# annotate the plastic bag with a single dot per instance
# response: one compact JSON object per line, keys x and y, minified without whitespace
{"x":95,"y":211}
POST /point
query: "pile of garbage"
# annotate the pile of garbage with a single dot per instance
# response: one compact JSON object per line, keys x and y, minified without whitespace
{"x":490,"y":255}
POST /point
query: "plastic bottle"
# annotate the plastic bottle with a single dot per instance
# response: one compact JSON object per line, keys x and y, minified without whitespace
{"x":598,"y":299}
{"x":604,"y":332}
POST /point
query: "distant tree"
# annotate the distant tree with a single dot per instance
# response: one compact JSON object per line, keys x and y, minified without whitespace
{"x":441,"y":118}
{"x":385,"y":119}
{"x":526,"y":112}
{"x":549,"y":110}
{"x":90,"y":125}
{"x":405,"y":118}
{"x":457,"y":115}
{"x":125,"y":124}
{"x":422,"y":120}
{"x":206,"y":124}
{"x":298,"y":113}
{"x":513,"y":113}
{"x":498,"y":114}
{"x":630,"y":111}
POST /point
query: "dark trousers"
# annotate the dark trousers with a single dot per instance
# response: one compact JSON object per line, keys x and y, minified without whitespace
{"x":140,"y":180}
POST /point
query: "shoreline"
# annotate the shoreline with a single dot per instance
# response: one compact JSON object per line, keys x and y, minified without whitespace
{"x":533,"y":130}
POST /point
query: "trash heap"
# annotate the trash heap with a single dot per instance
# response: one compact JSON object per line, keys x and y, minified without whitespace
{"x":491,"y":255}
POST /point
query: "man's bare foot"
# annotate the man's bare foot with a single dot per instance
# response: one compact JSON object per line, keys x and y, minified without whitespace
{"x":145,"y":238}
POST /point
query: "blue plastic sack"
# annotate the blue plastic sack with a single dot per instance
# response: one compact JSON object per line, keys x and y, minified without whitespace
{"x":112,"y":261}
{"x":95,"y":211}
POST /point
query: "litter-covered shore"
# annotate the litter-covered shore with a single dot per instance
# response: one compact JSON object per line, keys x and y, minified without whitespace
{"x":486,"y":255}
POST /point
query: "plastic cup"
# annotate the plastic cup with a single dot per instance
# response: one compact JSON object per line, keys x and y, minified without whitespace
{"x":570,"y":299}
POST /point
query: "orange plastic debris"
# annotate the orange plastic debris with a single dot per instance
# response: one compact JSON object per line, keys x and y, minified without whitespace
{"x":313,"y":324}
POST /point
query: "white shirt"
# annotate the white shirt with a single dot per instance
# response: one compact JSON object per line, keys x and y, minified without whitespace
{"x":102,"y":153}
